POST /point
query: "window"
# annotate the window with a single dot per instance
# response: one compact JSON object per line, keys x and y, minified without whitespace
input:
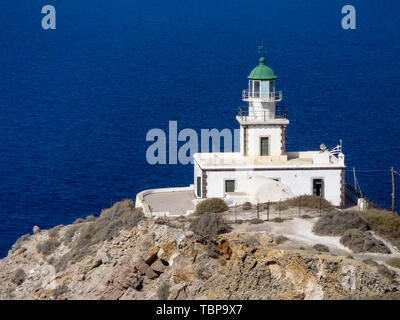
{"x":199,"y":187}
{"x":318,"y":187}
{"x":264,"y":146}
{"x":256,"y":89}
{"x":264,"y":89}
{"x":229,"y":185}
{"x":272,"y":86}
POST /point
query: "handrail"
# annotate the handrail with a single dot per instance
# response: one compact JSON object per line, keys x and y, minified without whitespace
{"x":265,"y":96}
{"x":246,"y":114}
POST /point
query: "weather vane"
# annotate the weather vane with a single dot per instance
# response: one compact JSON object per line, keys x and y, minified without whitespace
{"x":261,"y":50}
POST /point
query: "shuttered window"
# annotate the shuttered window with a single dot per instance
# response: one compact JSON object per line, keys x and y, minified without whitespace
{"x":229,"y":185}
{"x":264,"y":146}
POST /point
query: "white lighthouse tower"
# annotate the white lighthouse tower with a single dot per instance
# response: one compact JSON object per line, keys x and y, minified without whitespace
{"x":262,"y":125}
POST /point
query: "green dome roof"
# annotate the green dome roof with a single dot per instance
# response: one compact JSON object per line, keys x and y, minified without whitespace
{"x":262,"y":72}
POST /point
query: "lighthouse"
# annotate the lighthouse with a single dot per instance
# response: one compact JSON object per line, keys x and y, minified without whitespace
{"x":264,"y":170}
{"x":262,"y":125}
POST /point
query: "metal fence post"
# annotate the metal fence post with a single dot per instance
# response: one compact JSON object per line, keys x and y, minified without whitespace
{"x":279,"y":208}
{"x":320,"y":205}
{"x":258,"y":210}
{"x":299,"y":206}
{"x":268,"y":211}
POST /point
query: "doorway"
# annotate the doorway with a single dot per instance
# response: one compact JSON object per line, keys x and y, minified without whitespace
{"x":318,"y":187}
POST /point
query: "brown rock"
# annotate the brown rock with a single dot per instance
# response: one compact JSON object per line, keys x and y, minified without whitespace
{"x":150,"y":274}
{"x":151,"y":255}
{"x":158,"y":266}
{"x":224,"y":249}
{"x":168,"y":251}
{"x":141,"y":266}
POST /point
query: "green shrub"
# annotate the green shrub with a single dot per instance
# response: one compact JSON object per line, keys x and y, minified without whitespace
{"x":362,"y":241}
{"x":163,"y":291}
{"x":213,"y":205}
{"x":393,"y":262}
{"x":19,"y":277}
{"x":385,"y":224}
{"x":337,"y":223}
{"x":321,"y":247}
{"x":48,"y":246}
{"x":246,"y":206}
{"x":307,"y":201}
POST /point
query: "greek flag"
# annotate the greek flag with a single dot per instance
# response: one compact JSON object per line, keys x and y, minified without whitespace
{"x":336,"y":150}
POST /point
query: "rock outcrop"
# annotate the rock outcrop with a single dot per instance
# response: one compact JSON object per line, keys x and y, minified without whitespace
{"x":137,"y":262}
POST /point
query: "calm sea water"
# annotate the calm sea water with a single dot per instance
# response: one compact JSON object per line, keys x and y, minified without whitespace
{"x":76,"y":103}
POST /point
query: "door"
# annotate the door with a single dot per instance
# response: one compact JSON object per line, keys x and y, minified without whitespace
{"x":318,"y":187}
{"x":264,"y":146}
{"x":229,"y":185}
{"x":199,"y":187}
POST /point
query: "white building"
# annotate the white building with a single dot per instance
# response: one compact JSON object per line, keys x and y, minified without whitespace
{"x":263,"y":170}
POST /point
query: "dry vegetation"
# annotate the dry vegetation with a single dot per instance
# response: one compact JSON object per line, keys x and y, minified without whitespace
{"x":337,"y":223}
{"x":280,"y":239}
{"x":207,"y":226}
{"x":362,"y":241}
{"x":352,"y":226}
{"x":321,"y":247}
{"x":211,"y":205}
{"x":393,"y":262}
{"x":163,"y":291}
{"x":83,"y":236}
{"x":385,"y":224}
{"x":19,"y":277}
{"x":306,"y":201}
{"x":246,"y":206}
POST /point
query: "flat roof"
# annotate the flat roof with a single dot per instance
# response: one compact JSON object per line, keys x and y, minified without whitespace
{"x":294,"y":159}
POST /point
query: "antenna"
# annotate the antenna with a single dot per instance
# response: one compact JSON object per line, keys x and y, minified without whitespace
{"x":261,"y":50}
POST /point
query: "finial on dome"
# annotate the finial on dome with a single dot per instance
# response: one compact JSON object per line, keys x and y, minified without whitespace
{"x":262,"y":60}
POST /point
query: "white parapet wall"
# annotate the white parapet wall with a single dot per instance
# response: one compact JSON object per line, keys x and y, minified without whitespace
{"x":141,"y":203}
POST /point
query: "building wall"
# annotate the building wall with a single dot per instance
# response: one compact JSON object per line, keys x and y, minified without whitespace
{"x":197,"y":173}
{"x":253,"y":135}
{"x":299,"y":181}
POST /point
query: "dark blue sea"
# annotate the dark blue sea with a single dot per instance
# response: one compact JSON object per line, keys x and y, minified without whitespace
{"x":76,"y":102}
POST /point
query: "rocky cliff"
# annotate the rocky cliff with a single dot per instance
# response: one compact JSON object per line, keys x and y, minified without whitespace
{"x":158,"y":260}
